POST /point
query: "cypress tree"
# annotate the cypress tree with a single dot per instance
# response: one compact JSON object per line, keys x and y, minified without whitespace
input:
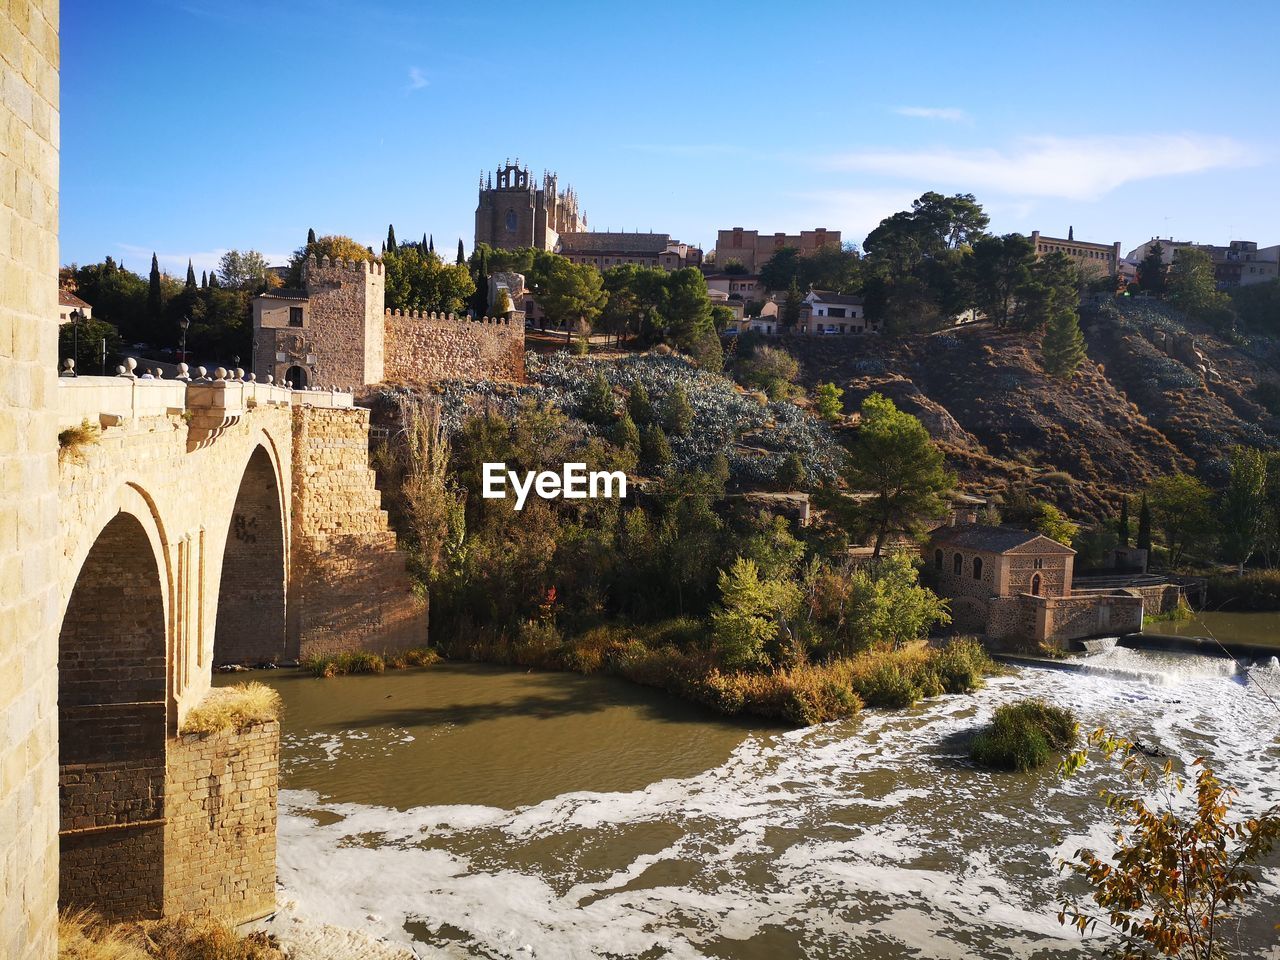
{"x":626,"y":434}
{"x":431,"y":245}
{"x":1144,"y":525}
{"x":1063,"y":344}
{"x":191,"y":276}
{"x":480,"y":300}
{"x":639,"y":406}
{"x":677,"y":414}
{"x":655,"y":451}
{"x":461,"y":258}
{"x":155,"y":299}
{"x":213,"y":279}
{"x":1122,"y":525}
{"x":311,"y":236}
{"x":391,"y":239}
{"x":204,"y":280}
{"x":424,"y":241}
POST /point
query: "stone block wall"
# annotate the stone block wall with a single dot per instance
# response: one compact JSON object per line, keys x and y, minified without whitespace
{"x":349,"y":587}
{"x":28,"y":478}
{"x":426,"y":347}
{"x":220,"y":830}
{"x":344,"y":321}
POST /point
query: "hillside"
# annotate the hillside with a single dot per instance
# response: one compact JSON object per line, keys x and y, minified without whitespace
{"x":1131,"y":412}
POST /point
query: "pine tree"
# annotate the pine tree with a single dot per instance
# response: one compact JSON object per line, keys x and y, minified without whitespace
{"x":391,"y":240}
{"x":1063,"y":345}
{"x":461,"y":259}
{"x":311,"y":236}
{"x":1122,"y":525}
{"x":598,"y":406}
{"x":155,"y":299}
{"x":655,"y":451}
{"x":677,"y":414}
{"x":1144,"y":525}
{"x":791,"y":474}
{"x":639,"y":406}
{"x":626,"y":434}
{"x":191,"y":276}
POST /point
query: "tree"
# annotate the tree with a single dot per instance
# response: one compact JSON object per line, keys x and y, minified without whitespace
{"x":685,"y":308}
{"x":1053,"y":523}
{"x":461,"y":259}
{"x":733,"y":268}
{"x":781,"y":270}
{"x":828,"y":397}
{"x":417,"y":280}
{"x":1242,"y":513}
{"x":791,"y":304}
{"x":311,"y":235}
{"x":655,"y":451}
{"x":1122,"y":524}
{"x":887,"y":606}
{"x":204,"y":280}
{"x":1151,"y":269}
{"x":573,"y":295}
{"x":791,"y":474}
{"x":502,"y":306}
{"x":1180,"y":507}
{"x":598,"y":405}
{"x":1063,"y":345}
{"x":1181,"y":866}
{"x":677,"y":414}
{"x":1144,"y":525}
{"x":431,"y":244}
{"x":155,"y":298}
{"x":1192,"y":286}
{"x":771,"y":369}
{"x":894,"y":460}
{"x":191,"y":276}
{"x":638,"y":404}
{"x":1001,"y":269}
{"x":390,"y":246}
{"x":626,"y":434}
{"x":245,"y":270}
{"x":751,"y":614}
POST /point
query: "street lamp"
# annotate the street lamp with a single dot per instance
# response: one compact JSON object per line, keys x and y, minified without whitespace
{"x":76,"y":316}
{"x":184,"y":323}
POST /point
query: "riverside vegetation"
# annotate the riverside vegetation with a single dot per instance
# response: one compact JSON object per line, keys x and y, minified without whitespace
{"x":684,"y":585}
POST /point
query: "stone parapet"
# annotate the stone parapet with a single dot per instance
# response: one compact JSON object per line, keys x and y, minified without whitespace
{"x":427,"y":347}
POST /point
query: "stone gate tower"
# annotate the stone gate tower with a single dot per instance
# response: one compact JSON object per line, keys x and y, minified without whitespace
{"x":514,"y":212}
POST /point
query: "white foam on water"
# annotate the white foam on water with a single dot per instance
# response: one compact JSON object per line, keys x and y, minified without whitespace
{"x":876,"y":829}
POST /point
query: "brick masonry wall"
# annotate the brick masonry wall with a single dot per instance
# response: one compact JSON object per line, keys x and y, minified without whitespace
{"x":251,"y":594}
{"x":426,"y":347}
{"x":28,"y":478}
{"x":220,"y":834}
{"x":349,"y":588}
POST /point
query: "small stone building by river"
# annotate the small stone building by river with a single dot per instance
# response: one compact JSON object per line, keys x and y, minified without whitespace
{"x":1015,"y":587}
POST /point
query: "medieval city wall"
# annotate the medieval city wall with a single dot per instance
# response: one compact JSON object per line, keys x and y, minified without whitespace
{"x":426,"y":347}
{"x":344,"y":329}
{"x":28,"y":479}
{"x":349,"y":588}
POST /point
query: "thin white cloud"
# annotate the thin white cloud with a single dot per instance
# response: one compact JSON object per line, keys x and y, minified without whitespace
{"x":949,"y":114}
{"x":1083,"y":168}
{"x":855,"y":212}
{"x":417,"y":80}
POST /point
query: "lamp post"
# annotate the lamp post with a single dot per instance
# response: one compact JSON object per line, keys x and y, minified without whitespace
{"x":76,"y":316}
{"x":184,"y":323}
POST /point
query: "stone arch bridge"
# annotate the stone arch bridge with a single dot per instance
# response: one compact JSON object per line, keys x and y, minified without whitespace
{"x":200,"y":523}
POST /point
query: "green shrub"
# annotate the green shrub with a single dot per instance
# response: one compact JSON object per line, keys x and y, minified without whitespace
{"x":1024,"y":736}
{"x":341,"y":664}
{"x":1256,"y":590}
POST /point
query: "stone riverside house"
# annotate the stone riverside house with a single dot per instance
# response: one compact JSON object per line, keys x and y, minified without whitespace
{"x":337,"y":332}
{"x":1016,"y":586}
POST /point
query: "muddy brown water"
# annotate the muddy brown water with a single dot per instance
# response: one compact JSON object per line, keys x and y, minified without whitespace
{"x":475,"y":811}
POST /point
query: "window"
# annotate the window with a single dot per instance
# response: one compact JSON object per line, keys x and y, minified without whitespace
{"x":1035,"y":585}
{"x":511,"y":220}
{"x":977,"y":568}
{"x":295,"y":316}
{"x":836,"y":312}
{"x":957,"y":564}
{"x":1038,"y":563}
{"x":937,"y":559}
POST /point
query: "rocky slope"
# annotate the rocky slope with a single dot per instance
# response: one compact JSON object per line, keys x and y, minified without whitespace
{"x":1152,"y":397}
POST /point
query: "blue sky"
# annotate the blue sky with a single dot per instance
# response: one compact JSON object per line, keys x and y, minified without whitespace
{"x":193,"y":126}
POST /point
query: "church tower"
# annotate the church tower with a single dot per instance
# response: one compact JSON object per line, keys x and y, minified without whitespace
{"x":512,"y":212}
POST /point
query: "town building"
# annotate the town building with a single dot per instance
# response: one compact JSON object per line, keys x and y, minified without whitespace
{"x":69,"y":303}
{"x":822,"y":313}
{"x":1015,"y":586}
{"x":1240,"y":263}
{"x":736,"y":288}
{"x":516,"y":213}
{"x":605,"y":249}
{"x":1096,"y":259}
{"x":753,"y":249}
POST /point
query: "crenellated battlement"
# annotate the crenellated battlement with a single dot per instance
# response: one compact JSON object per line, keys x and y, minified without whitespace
{"x":374,"y":267}
{"x":447,"y":317}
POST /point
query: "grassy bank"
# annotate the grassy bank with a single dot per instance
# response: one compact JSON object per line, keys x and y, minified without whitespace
{"x":670,"y":655}
{"x":1256,"y":591}
{"x":342,"y":664}
{"x":84,"y":936}
{"x":1024,"y":736}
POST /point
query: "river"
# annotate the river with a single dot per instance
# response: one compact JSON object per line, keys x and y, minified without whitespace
{"x":482,"y":812}
{"x":1254,"y":627}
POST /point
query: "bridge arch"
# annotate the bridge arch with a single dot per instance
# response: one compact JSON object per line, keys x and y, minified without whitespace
{"x":250,"y":625}
{"x":113,"y":717}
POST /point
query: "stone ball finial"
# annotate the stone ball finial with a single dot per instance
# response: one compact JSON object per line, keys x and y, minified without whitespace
{"x":131,"y":363}
{"x":252,"y":378}
{"x":220,"y":373}
{"x":239,"y":373}
{"x":69,"y":363}
{"x":121,"y":371}
{"x":158,"y":373}
{"x":288,"y":384}
{"x":270,"y":379}
{"x":202,"y":372}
